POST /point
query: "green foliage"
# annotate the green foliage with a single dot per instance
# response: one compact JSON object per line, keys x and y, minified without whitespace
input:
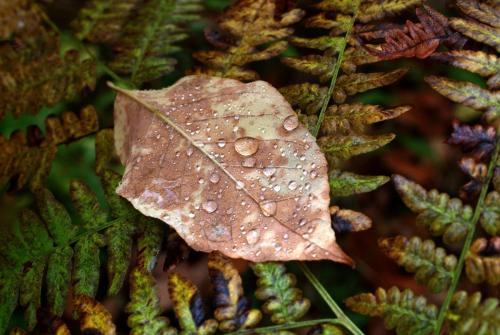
{"x":283,"y":301}
{"x":188,"y":306}
{"x":436,"y":211}
{"x":232,"y":308}
{"x":431,"y":265}
{"x":403,"y":311}
{"x":47,"y":245}
{"x":469,"y":315}
{"x":147,"y":41}
{"x":250,"y":31}
{"x":144,"y":306}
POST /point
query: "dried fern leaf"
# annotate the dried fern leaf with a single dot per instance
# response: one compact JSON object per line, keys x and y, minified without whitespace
{"x":483,"y":261}
{"x":480,"y":62}
{"x":232,"y":309}
{"x":403,"y":311}
{"x":188,"y":306}
{"x":487,"y":27}
{"x":468,"y":314}
{"x":346,"y":220}
{"x":326,"y":329}
{"x":102,"y":21}
{"x":469,"y":94}
{"x":144,"y":306}
{"x":19,"y":17}
{"x":33,"y":75}
{"x":147,"y":43}
{"x":436,"y":211}
{"x":431,"y":265}
{"x":29,"y":157}
{"x":94,"y":317}
{"x":283,"y":301}
{"x":256,"y":31}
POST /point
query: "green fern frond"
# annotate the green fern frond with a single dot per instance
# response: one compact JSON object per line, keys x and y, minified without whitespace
{"x":144,"y":50}
{"x":283,"y":301}
{"x":29,"y":157}
{"x":431,"y":265}
{"x":255,"y":32}
{"x":232,"y":309}
{"x":403,"y":311}
{"x":468,"y":314}
{"x":483,"y":261}
{"x":33,"y":74}
{"x":436,"y":211}
{"x":341,"y":127}
{"x":326,"y":329}
{"x":144,"y":306}
{"x":47,"y":245}
{"x":490,"y":216}
{"x":188,"y":306}
{"x":102,"y":21}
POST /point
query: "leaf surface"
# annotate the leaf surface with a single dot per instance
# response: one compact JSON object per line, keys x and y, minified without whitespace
{"x":229,"y":167}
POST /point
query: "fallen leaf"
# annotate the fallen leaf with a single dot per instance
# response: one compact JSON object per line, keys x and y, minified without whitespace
{"x":229,"y":167}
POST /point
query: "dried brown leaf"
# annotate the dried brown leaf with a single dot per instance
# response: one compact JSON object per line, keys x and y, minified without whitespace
{"x":229,"y":167}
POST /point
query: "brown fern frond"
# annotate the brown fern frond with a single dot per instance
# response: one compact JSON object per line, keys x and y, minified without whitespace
{"x":29,"y":157}
{"x":483,"y":262}
{"x":248,"y":31}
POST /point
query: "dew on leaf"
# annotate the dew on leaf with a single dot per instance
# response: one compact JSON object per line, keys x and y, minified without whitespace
{"x":269,"y":171}
{"x":209,"y":206}
{"x":214,"y":178}
{"x":292,"y":185}
{"x":268,"y":207}
{"x":252,"y":236}
{"x":249,"y":162}
{"x":246,"y":146}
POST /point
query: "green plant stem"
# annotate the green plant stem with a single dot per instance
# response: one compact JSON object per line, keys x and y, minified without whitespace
{"x":336,"y":71}
{"x":346,"y":322}
{"x":468,"y":240}
{"x":293,"y":325}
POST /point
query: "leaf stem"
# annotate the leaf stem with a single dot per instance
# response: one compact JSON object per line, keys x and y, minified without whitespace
{"x":293,"y":325}
{"x":468,"y":240}
{"x":336,"y":70}
{"x":346,"y":322}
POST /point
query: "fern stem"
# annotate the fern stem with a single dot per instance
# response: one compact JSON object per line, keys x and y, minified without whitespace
{"x":468,"y":240}
{"x":336,"y":70}
{"x":344,"y":319}
{"x":293,"y":325}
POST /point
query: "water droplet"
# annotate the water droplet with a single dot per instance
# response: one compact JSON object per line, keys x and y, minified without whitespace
{"x":268,"y":207}
{"x":291,"y":122}
{"x":249,"y":162}
{"x":209,"y":206}
{"x":277,"y":246}
{"x":252,"y":236}
{"x":277,"y":188}
{"x":314,"y":174}
{"x":189,"y":151}
{"x":201,"y":181}
{"x":292,"y":185}
{"x":221,"y":143}
{"x":239,"y":185}
{"x":246,"y":146}
{"x":214,"y":178}
{"x":302,"y":222}
{"x":191,"y":215}
{"x":269,"y":171}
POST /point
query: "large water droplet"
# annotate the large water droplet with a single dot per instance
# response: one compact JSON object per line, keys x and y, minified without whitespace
{"x":292,"y":185}
{"x":214,"y":178}
{"x":268,"y":207}
{"x":291,"y":122}
{"x":252,"y":236}
{"x":246,"y":146}
{"x":249,"y":162}
{"x":209,"y":206}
